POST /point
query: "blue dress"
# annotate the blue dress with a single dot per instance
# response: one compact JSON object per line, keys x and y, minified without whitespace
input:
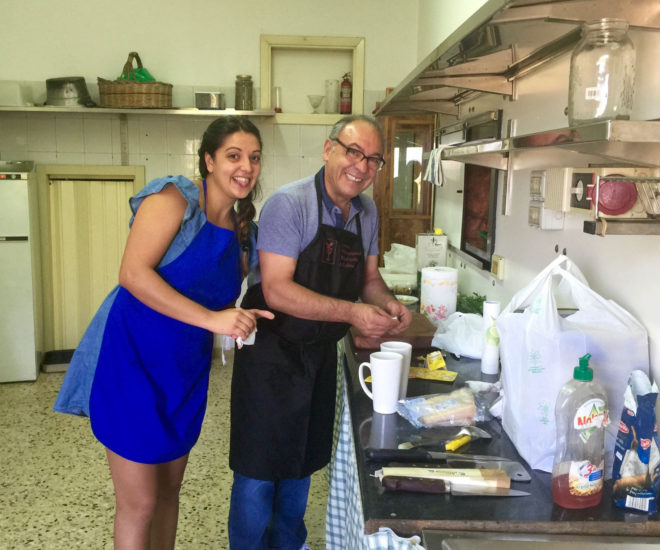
{"x":140,"y":376}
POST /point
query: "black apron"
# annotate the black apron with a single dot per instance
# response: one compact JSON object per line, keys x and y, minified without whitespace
{"x":283,"y":386}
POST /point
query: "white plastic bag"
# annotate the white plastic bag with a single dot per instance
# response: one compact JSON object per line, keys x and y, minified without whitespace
{"x":539,"y":349}
{"x":461,"y":334}
{"x":400,"y":259}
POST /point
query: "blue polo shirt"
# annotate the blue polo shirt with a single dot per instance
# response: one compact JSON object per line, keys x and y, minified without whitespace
{"x":289,"y":219}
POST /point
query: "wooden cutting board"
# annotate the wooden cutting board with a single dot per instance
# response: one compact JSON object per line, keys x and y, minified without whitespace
{"x":419,"y":334}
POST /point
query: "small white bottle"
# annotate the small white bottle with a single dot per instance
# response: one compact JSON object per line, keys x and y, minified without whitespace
{"x":581,"y":416}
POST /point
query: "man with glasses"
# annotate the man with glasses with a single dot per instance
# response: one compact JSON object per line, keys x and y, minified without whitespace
{"x":318,"y":254}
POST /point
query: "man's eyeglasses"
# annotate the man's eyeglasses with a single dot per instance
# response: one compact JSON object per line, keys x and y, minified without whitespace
{"x":356,"y":155}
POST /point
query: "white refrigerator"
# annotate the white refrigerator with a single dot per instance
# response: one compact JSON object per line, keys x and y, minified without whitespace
{"x":20,"y":274}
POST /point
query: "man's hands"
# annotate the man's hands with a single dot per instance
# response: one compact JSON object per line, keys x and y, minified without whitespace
{"x":374,"y":322}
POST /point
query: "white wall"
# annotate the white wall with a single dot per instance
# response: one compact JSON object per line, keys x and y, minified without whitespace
{"x":438,"y":19}
{"x":191,"y":44}
{"x":203,"y":43}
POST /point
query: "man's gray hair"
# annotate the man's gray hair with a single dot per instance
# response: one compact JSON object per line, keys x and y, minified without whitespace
{"x":343,"y":122}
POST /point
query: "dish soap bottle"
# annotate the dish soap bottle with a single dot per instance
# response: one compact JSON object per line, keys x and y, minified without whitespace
{"x":581,"y":416}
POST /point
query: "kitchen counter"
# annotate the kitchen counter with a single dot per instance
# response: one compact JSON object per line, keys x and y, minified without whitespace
{"x":411,"y":513}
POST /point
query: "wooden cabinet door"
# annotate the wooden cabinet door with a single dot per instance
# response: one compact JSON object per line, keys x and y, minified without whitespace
{"x":403,"y":198}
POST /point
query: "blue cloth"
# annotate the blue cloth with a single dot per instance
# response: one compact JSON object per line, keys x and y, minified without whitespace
{"x":344,"y":521}
{"x":252,"y":523}
{"x":140,"y":376}
{"x":289,"y":219}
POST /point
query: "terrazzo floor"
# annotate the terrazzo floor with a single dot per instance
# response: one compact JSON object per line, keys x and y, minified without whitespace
{"x":55,"y":488}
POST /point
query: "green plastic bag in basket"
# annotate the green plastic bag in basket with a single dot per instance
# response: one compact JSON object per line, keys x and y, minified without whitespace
{"x":137,"y":74}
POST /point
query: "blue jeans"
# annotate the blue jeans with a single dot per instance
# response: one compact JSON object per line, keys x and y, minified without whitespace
{"x":267,"y":515}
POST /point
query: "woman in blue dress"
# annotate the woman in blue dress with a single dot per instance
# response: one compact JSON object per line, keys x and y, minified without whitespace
{"x":141,"y":370}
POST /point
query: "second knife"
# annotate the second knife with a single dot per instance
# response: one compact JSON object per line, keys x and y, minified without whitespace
{"x":514,"y":469}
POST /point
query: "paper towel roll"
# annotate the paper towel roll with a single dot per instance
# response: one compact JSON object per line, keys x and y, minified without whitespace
{"x":490,"y":358}
{"x":439,"y":286}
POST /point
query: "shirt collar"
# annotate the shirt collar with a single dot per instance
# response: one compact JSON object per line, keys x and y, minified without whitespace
{"x":335,"y":211}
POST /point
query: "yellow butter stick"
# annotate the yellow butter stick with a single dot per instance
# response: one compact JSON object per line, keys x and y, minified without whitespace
{"x":442,"y":375}
{"x":435,"y":360}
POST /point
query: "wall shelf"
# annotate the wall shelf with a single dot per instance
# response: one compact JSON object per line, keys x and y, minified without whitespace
{"x":279,"y":118}
{"x":610,"y":142}
{"x":615,"y":143}
{"x":185,"y":111}
{"x":307,"y":118}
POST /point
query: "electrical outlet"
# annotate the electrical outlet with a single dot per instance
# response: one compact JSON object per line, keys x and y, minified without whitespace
{"x":497,"y":266}
{"x":579,"y":183}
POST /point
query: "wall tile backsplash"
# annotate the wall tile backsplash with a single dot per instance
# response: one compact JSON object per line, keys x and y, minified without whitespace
{"x":163,"y":144}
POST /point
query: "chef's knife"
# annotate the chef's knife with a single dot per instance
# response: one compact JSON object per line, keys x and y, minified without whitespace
{"x":438,"y":486}
{"x":514,"y":469}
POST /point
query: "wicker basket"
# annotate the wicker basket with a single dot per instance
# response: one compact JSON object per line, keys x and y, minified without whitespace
{"x":130,"y":94}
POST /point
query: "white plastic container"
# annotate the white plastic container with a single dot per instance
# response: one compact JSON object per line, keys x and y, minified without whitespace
{"x":581,"y":416}
{"x":10,"y":94}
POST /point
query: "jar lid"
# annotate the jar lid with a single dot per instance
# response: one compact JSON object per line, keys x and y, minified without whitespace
{"x":244,"y":77}
{"x":607,"y":23}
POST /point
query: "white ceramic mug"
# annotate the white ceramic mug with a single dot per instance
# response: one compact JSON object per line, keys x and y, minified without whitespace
{"x":405,"y":349}
{"x":385,"y":367}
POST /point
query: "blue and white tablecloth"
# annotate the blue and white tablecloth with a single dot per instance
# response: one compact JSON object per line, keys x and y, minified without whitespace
{"x":344,"y":517}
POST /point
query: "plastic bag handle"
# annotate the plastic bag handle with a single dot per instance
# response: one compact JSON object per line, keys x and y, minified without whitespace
{"x":128,"y":66}
{"x":584,"y":294}
{"x":527,"y":293}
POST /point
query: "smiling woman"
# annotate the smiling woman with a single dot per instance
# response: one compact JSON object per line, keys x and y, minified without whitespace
{"x":147,"y":352}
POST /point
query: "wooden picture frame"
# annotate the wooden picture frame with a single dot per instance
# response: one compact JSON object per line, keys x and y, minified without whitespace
{"x":479,"y":213}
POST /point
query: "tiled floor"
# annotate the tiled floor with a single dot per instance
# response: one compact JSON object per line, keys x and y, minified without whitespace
{"x":55,"y":489}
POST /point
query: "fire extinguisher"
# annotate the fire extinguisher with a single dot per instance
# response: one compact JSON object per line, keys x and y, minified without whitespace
{"x":346,"y":94}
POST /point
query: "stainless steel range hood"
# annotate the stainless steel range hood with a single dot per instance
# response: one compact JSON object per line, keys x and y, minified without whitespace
{"x":501,"y":42}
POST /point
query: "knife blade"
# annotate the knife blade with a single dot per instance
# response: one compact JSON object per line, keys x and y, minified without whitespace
{"x":514,"y":469}
{"x":439,"y":486}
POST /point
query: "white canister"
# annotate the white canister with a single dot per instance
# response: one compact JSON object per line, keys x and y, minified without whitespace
{"x":439,"y":289}
{"x":332,"y":96}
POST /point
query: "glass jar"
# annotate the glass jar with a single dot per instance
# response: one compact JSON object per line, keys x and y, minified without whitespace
{"x":243,"y":92}
{"x":602,"y":73}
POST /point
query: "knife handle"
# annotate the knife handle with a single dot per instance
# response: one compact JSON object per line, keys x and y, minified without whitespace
{"x":415,"y":485}
{"x":398,"y":455}
{"x":457,"y":442}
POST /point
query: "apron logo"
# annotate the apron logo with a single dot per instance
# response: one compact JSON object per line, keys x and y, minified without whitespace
{"x":349,"y":258}
{"x":335,"y":253}
{"x":329,"y":252}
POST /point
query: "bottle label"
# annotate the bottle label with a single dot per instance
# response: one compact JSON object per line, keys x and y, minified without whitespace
{"x":585,"y":478}
{"x":593,"y":93}
{"x":591,"y":414}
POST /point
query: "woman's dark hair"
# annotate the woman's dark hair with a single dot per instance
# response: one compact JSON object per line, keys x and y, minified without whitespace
{"x":213,"y":138}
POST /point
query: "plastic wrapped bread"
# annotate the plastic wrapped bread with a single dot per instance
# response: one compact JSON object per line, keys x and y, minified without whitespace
{"x":443,"y":409}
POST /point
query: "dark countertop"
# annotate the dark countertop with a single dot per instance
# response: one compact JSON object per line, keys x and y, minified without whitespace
{"x":409,"y":513}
